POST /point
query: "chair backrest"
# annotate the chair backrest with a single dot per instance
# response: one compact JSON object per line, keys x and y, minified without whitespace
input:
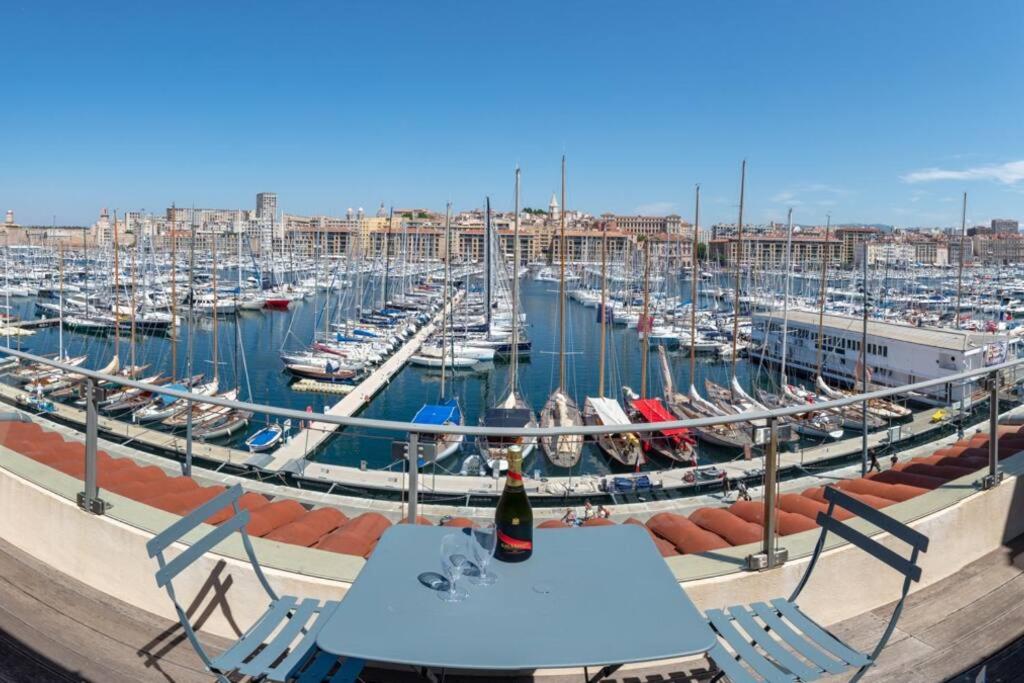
{"x":237,"y":522}
{"x":917,"y":541}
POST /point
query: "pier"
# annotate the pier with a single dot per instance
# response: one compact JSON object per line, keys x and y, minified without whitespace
{"x":291,"y":456}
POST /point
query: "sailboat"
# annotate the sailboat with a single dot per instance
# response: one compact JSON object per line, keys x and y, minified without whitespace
{"x":811,"y":423}
{"x":622,"y":447}
{"x":513,"y":410}
{"x":447,"y":410}
{"x":693,"y":405}
{"x":561,"y":410}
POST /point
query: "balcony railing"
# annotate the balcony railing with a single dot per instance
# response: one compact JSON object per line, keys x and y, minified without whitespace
{"x":89,"y":499}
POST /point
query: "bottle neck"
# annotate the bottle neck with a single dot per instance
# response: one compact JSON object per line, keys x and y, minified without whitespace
{"x":514,"y":477}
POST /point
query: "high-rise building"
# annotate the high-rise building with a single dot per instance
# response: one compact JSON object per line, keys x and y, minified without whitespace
{"x":266,"y":206}
{"x":1004,"y":225}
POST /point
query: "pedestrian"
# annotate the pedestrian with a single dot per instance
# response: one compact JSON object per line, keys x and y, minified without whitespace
{"x":894,"y":459}
{"x":588,"y":510}
{"x":873,"y":465}
{"x":742,"y":491}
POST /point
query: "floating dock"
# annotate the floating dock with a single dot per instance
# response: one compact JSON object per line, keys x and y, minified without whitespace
{"x":291,"y":457}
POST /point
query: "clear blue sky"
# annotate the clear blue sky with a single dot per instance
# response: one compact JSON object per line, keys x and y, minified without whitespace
{"x":875,"y":111}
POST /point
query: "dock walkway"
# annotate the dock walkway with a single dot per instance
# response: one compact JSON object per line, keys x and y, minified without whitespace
{"x":291,"y":455}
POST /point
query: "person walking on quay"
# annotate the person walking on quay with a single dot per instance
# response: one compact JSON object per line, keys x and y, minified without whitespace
{"x":874,"y":464}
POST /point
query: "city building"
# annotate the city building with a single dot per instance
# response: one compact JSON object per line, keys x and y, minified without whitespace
{"x":1005,"y":225}
{"x":768,"y":250}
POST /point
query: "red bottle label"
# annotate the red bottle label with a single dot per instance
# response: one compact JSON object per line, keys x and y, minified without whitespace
{"x":516,"y":543}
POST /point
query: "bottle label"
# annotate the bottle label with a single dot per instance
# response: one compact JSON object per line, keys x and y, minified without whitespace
{"x":514,"y":543}
{"x":515,"y":476}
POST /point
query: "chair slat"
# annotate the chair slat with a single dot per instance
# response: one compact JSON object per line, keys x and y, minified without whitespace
{"x":871,"y":546}
{"x":796,"y":641}
{"x":194,"y":551}
{"x":816,"y":633}
{"x":879,"y":519}
{"x":300,"y":652}
{"x":349,"y":671}
{"x":767,"y":643}
{"x":254,"y":637}
{"x":261,"y":663}
{"x":192,"y":520}
{"x":317,"y":671}
{"x":738,"y":642}
{"x":733,"y":669}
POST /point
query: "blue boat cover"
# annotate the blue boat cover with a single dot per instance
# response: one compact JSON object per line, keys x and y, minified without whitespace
{"x":438,"y":414}
{"x":168,"y":400}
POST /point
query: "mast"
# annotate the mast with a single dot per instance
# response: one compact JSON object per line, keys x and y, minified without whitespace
{"x":561,"y":287}
{"x":60,"y":325}
{"x":131,"y":346}
{"x":785,"y":299}
{"x":446,"y":296}
{"x":604,"y":304}
{"x":960,"y":266}
{"x":117,"y":295}
{"x":487,"y":266}
{"x":174,"y":293}
{"x":7,"y":290}
{"x":515,"y":289}
{"x":824,"y":281}
{"x":387,"y":257}
{"x":693,"y":289}
{"x":645,"y":320}
{"x":213,"y":274}
{"x":739,"y":268}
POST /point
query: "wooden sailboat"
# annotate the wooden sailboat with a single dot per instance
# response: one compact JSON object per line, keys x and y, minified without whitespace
{"x":622,"y":447}
{"x":561,"y":410}
{"x":693,"y":405}
{"x":513,"y":410}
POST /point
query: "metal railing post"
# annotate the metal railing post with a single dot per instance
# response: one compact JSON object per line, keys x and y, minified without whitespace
{"x":186,"y":467}
{"x":89,"y":499}
{"x":994,"y":476}
{"x":769,"y":557}
{"x":414,"y":471}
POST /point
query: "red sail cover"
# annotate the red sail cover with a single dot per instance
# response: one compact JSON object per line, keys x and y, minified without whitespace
{"x":652,"y":410}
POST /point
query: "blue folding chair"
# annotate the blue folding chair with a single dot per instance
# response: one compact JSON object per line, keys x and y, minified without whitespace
{"x":290,"y":623}
{"x":778,"y":643}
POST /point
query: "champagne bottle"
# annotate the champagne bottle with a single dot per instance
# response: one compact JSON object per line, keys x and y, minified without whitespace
{"x":513,"y":518}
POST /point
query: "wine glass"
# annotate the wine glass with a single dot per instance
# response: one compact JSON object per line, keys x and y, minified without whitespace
{"x":452,"y":547}
{"x":485,"y":539}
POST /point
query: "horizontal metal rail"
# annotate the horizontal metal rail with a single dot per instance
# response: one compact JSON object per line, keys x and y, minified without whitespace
{"x":398,"y":426}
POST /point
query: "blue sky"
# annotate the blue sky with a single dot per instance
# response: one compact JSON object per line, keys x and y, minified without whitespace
{"x":873,"y":111}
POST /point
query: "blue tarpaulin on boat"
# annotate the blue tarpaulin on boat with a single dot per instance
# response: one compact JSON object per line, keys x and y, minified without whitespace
{"x":438,"y":414}
{"x":168,"y":400}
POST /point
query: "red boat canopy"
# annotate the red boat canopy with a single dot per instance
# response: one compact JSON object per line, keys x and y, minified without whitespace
{"x":652,"y":410}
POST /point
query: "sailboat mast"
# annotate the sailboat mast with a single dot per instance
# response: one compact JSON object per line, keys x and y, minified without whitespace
{"x":213,"y":282}
{"x":739,"y":268}
{"x":446,"y":299}
{"x":174,"y":293}
{"x":785,"y":297}
{"x":117,"y":294}
{"x":645,"y":319}
{"x":487,"y":266}
{"x":515,"y":288}
{"x":561,"y":289}
{"x":693,"y":289}
{"x":821,"y":304}
{"x":960,"y":267}
{"x":60,"y":324}
{"x":131,"y":345}
{"x":387,"y":258}
{"x":604,"y":305}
